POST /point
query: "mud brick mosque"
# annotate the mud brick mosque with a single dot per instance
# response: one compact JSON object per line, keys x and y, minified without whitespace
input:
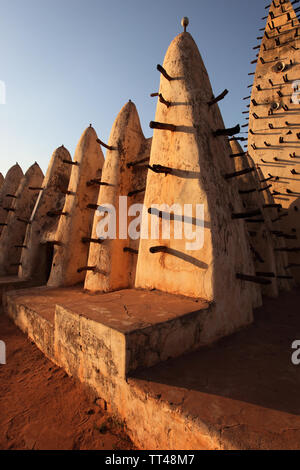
{"x":103,"y":308}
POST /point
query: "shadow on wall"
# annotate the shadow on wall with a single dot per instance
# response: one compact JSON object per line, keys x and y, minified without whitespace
{"x":293,"y":228}
{"x":48,"y":249}
{"x":43,"y":263}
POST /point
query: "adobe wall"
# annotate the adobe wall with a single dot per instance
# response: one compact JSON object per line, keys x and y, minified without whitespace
{"x":75,"y":223}
{"x":9,"y":186}
{"x":13,"y":234}
{"x":274,"y":123}
{"x":36,"y":254}
{"x":198,"y":172}
{"x":258,"y":223}
{"x":113,"y":262}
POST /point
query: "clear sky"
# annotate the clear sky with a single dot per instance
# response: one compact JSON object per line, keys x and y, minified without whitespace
{"x":69,"y":63}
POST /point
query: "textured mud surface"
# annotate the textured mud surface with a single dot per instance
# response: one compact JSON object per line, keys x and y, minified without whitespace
{"x":42,"y":408}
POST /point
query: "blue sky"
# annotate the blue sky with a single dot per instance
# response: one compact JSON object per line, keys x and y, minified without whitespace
{"x":69,"y":63}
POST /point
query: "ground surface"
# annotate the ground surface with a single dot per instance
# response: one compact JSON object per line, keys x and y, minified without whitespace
{"x":42,"y":408}
{"x":244,"y":389}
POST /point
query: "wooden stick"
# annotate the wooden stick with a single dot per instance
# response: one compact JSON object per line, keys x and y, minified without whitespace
{"x":245,"y":215}
{"x":255,"y":279}
{"x":229,"y":132}
{"x":162,"y":126}
{"x":108,"y":147}
{"x":164,"y":72}
{"x":239,"y":173}
{"x":218,"y":98}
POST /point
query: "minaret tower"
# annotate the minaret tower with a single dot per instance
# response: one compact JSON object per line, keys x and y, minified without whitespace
{"x":274,"y":118}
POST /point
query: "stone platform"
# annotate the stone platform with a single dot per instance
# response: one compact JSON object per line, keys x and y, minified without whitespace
{"x":8,"y":283}
{"x":241,"y":393}
{"x":115,"y":333}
